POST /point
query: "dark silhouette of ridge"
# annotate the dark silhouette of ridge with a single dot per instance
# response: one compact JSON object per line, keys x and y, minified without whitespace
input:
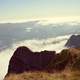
{"x":24,"y":60}
{"x":73,"y":42}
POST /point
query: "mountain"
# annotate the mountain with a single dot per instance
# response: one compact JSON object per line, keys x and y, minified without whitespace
{"x":74,"y":41}
{"x":24,"y":59}
{"x":44,"y":62}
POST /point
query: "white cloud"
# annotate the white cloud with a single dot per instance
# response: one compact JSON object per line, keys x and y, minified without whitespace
{"x":44,"y":21}
{"x":45,"y":44}
{"x":28,"y":29}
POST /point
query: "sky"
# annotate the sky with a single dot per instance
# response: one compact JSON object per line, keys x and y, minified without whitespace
{"x":32,"y":9}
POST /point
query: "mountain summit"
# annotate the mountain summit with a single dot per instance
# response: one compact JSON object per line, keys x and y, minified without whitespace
{"x":73,"y":42}
{"x":50,"y":62}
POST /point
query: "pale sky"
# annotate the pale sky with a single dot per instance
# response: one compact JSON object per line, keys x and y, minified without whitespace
{"x":31,"y":9}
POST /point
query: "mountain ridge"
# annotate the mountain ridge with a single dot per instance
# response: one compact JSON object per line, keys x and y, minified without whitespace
{"x":73,"y":41}
{"x":24,"y":59}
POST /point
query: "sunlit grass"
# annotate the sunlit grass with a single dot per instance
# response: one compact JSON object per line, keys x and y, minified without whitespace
{"x":65,"y":75}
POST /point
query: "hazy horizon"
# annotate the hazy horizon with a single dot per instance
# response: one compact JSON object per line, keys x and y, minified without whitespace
{"x":41,"y":9}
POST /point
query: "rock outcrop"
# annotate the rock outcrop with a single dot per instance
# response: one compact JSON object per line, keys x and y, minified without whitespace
{"x":24,"y":60}
{"x":73,"y":42}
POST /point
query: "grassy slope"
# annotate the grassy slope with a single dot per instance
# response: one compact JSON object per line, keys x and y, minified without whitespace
{"x":65,"y":75}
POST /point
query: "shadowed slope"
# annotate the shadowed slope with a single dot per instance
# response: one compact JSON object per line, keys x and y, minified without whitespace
{"x":24,"y":59}
{"x":73,"y":41}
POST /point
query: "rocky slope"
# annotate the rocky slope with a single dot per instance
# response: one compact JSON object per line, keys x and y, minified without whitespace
{"x":73,"y":41}
{"x":24,"y":63}
{"x":24,"y":59}
{"x":44,"y":62}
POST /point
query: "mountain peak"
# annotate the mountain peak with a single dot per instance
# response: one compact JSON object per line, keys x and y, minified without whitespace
{"x":73,"y":41}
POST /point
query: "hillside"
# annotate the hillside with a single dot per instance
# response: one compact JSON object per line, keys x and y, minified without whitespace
{"x":44,"y":65}
{"x":65,"y":75}
{"x":73,"y":41}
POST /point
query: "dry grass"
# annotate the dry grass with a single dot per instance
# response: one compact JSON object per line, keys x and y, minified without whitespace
{"x":66,"y":75}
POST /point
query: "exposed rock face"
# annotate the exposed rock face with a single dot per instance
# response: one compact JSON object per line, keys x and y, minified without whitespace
{"x":24,"y":59}
{"x":74,"y":41}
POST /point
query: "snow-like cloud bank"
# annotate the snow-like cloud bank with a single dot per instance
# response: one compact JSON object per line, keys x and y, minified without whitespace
{"x":56,"y":44}
{"x":44,"y":21}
